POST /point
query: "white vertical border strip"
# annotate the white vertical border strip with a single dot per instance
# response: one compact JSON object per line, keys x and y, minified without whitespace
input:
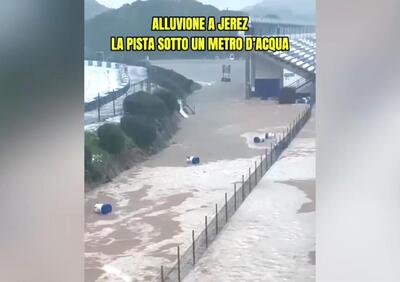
{"x":358,"y":131}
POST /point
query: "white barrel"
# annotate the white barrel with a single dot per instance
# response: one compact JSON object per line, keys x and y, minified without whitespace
{"x":269,"y":135}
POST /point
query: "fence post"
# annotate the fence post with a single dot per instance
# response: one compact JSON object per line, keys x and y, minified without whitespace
{"x":288,"y":136}
{"x":234,"y":191}
{"x":216,"y":218}
{"x":194,"y":254}
{"x":162,"y":273}
{"x":291,"y":131}
{"x":280,"y":146}
{"x":270,"y":152}
{"x":226,"y":207}
{"x":255,"y":173}
{"x":261,"y":170}
{"x":297,"y":122}
{"x":242,"y":181}
{"x":249,"y":179}
{"x":148,"y":87}
{"x":294,"y":128}
{"x":266,"y":160}
{"x":98,"y":107}
{"x":179,"y":265}
{"x":205,"y":218}
{"x":113,"y":97}
{"x":291,"y":128}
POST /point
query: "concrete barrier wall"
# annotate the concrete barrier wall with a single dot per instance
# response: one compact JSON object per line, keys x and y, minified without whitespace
{"x":108,"y":96}
{"x":102,"y":64}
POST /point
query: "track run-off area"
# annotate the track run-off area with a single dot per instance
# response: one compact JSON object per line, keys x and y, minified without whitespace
{"x":158,"y":203}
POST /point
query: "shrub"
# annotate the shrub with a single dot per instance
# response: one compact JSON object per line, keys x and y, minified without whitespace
{"x":111,"y":138}
{"x":88,"y":157}
{"x":194,"y":86}
{"x":169,"y":100}
{"x":171,"y":80}
{"x":140,"y":128}
{"x":94,"y":157}
{"x":142,"y":103}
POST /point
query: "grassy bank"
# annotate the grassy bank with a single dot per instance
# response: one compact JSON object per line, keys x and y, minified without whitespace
{"x":148,"y":123}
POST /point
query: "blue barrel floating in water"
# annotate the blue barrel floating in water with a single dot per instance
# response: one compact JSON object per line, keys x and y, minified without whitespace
{"x":102,"y":208}
{"x":258,"y":139}
{"x":193,"y":160}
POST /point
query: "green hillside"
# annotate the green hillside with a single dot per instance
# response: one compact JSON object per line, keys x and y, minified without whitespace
{"x":93,"y":8}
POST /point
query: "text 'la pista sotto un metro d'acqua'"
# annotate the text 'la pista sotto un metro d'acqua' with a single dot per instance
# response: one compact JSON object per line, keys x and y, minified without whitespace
{"x":199,"y":43}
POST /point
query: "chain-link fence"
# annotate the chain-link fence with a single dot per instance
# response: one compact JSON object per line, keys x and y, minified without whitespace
{"x":213,"y":225}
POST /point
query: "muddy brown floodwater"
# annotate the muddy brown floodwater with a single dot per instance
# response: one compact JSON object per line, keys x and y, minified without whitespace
{"x":271,"y":237}
{"x":156,"y":202}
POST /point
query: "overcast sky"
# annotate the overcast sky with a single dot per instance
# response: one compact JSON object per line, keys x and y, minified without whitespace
{"x":220,"y":4}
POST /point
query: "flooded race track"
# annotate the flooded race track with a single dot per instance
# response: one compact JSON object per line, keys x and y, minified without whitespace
{"x":158,"y":203}
{"x":271,"y":238}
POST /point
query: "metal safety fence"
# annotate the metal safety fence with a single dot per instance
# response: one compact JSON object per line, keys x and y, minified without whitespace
{"x":111,"y":105}
{"x":188,"y":257}
{"x":108,"y":96}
